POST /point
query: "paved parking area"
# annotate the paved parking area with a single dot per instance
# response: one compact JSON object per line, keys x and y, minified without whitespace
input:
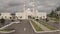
{"x":25,"y":28}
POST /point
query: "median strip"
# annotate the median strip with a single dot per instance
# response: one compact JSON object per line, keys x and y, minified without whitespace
{"x":7,"y":31}
{"x":48,"y":26}
{"x":37,"y":28}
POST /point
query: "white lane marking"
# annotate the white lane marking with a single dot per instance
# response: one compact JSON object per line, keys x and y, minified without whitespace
{"x":24,"y":29}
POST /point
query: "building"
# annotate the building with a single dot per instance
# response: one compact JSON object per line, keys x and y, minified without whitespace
{"x":40,"y":15}
{"x":25,"y":14}
{"x":58,"y":13}
{"x":20,"y":15}
{"x":5,"y":15}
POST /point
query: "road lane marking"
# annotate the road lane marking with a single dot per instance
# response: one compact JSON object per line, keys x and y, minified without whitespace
{"x":24,"y":29}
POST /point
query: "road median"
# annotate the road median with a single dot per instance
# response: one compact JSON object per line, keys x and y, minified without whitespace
{"x":37,"y":29}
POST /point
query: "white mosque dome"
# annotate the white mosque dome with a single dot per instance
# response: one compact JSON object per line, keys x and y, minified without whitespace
{"x":28,"y":9}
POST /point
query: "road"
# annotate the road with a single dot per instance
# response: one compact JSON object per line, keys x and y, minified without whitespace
{"x":25,"y":28}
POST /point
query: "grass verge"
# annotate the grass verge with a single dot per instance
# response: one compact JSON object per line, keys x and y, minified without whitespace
{"x":36,"y":26}
{"x":48,"y":26}
{"x":6,"y":30}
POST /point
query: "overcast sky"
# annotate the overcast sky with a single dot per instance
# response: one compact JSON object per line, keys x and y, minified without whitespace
{"x":18,"y":5}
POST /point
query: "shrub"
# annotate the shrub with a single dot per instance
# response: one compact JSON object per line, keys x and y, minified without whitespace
{"x":2,"y":20}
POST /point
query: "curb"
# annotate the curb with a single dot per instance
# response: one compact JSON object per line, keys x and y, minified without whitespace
{"x":42,"y":31}
{"x":7,"y":32}
{"x":47,"y":31}
{"x":33,"y":26}
{"x":8,"y":25}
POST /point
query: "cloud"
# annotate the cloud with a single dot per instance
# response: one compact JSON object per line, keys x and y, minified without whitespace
{"x":47,"y":5}
{"x":18,"y":5}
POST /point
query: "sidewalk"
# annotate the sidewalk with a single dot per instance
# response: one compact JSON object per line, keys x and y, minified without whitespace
{"x":41,"y":26}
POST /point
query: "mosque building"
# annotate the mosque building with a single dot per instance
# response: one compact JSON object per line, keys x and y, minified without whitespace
{"x":25,"y":14}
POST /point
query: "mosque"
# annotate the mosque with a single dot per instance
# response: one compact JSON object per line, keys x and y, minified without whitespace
{"x":24,"y":15}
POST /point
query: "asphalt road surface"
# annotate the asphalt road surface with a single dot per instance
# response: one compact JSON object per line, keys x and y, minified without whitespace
{"x":25,"y":28}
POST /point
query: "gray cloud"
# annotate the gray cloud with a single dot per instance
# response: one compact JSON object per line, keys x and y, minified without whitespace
{"x":18,"y":5}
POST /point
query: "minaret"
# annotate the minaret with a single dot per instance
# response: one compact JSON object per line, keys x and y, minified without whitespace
{"x":24,"y":6}
{"x":34,"y":8}
{"x":25,"y":13}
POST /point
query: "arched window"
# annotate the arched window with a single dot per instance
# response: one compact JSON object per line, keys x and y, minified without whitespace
{"x":5,"y":16}
{"x":20,"y":16}
{"x":40,"y":18}
{"x":43,"y":16}
{"x":37,"y":16}
{"x":13,"y":15}
{"x":29,"y":16}
{"x":10,"y":17}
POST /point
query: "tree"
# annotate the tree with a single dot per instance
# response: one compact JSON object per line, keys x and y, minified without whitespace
{"x":2,"y":20}
{"x":51,"y":14}
{"x":57,"y":9}
{"x":47,"y":20}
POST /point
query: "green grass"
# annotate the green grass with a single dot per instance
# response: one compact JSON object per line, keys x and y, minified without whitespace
{"x":55,"y":19}
{"x":48,"y":26}
{"x":36,"y":27}
{"x":6,"y":30}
